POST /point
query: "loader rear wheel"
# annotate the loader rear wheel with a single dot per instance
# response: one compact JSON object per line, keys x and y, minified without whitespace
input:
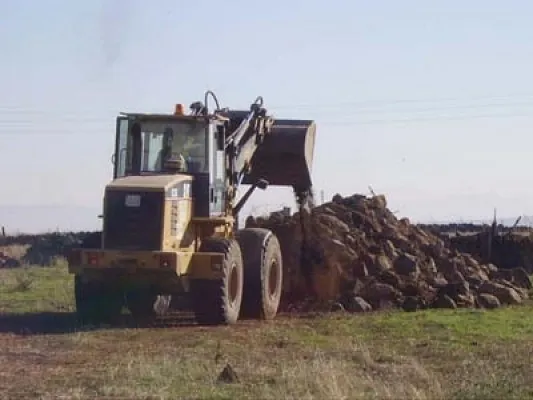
{"x":218,"y":301}
{"x":263,"y":273}
{"x":97,"y":302}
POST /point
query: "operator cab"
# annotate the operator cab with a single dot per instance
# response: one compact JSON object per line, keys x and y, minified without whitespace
{"x":162,"y":144}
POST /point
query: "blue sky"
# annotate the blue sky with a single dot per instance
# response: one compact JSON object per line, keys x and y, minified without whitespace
{"x":430,"y":103}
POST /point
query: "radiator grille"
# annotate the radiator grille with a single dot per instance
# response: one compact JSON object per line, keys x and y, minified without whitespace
{"x":133,"y":228}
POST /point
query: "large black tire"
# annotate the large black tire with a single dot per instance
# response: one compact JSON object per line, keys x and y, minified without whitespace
{"x":97,"y":302}
{"x":263,"y":273}
{"x":218,"y":302}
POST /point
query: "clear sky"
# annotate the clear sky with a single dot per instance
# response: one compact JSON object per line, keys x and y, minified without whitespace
{"x":430,"y":103}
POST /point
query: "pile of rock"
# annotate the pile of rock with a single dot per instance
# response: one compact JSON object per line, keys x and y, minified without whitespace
{"x":365,"y":258}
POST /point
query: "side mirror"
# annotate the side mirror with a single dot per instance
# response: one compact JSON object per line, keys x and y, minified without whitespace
{"x":262,"y":184}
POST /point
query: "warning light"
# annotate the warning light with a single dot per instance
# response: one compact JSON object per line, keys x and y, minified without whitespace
{"x":179,"y":109}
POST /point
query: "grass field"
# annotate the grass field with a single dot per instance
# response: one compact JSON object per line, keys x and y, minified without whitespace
{"x":437,"y":354}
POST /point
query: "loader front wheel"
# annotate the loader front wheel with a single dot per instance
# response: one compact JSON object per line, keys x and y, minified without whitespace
{"x":218,"y":301}
{"x":97,"y":302}
{"x":263,"y":273}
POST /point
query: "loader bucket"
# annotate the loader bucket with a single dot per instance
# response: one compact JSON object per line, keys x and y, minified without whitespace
{"x":286,"y":155}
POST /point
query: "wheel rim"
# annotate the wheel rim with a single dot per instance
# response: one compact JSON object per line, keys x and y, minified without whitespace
{"x":233,"y":284}
{"x":273,"y":278}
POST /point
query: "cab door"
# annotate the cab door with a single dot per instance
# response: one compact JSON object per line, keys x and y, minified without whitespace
{"x":121,"y":147}
{"x":217,"y":173}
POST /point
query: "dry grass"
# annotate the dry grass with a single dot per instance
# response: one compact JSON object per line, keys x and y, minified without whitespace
{"x":427,"y":355}
{"x":129,"y":364}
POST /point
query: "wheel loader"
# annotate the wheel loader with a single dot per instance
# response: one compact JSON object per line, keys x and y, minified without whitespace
{"x":170,"y":215}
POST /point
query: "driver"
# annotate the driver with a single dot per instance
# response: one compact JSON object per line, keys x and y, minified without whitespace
{"x":186,"y":148}
{"x":187,"y":143}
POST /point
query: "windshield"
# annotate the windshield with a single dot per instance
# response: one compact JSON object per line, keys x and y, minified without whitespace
{"x":165,"y":146}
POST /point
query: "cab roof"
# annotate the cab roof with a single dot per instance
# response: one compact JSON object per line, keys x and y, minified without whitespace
{"x":174,"y":117}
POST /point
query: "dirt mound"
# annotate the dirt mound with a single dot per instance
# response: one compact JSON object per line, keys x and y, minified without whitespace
{"x":365,"y":258}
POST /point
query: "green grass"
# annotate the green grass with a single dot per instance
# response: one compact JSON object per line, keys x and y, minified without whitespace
{"x":30,"y":289}
{"x":434,"y":354}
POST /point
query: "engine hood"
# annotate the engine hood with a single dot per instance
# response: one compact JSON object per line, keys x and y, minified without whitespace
{"x":148,"y":182}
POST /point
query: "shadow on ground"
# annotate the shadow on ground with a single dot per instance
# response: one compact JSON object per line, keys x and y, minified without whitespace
{"x":44,"y":323}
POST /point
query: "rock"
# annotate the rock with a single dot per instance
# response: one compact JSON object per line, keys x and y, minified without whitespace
{"x":337,"y":307}
{"x":390,"y":250}
{"x":411,"y":303}
{"x":467,"y":300}
{"x":389,"y":277}
{"x":521,"y":291}
{"x":430,"y":267}
{"x":406,"y":264}
{"x":517,"y":276}
{"x":504,"y":294}
{"x":470,"y":261}
{"x":448,"y":268}
{"x":358,"y":305}
{"x":360,"y":269}
{"x":379,"y":201}
{"x":444,"y":302}
{"x":228,"y":375}
{"x":488,"y":301}
{"x":492,"y":268}
{"x":477,"y":275}
{"x":438,"y":282}
{"x":333,"y":223}
{"x":337,"y":199}
{"x":380,"y":294}
{"x":383,"y":263}
{"x":474,"y":282}
{"x":455,"y":289}
{"x":404,"y":222}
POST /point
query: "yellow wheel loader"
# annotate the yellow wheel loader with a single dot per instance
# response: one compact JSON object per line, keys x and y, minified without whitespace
{"x":170,"y":215}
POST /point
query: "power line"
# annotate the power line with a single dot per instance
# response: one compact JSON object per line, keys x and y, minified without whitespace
{"x":88,"y":119}
{"x":362,"y":104}
{"x":78,"y":131}
{"x":40,"y":126}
